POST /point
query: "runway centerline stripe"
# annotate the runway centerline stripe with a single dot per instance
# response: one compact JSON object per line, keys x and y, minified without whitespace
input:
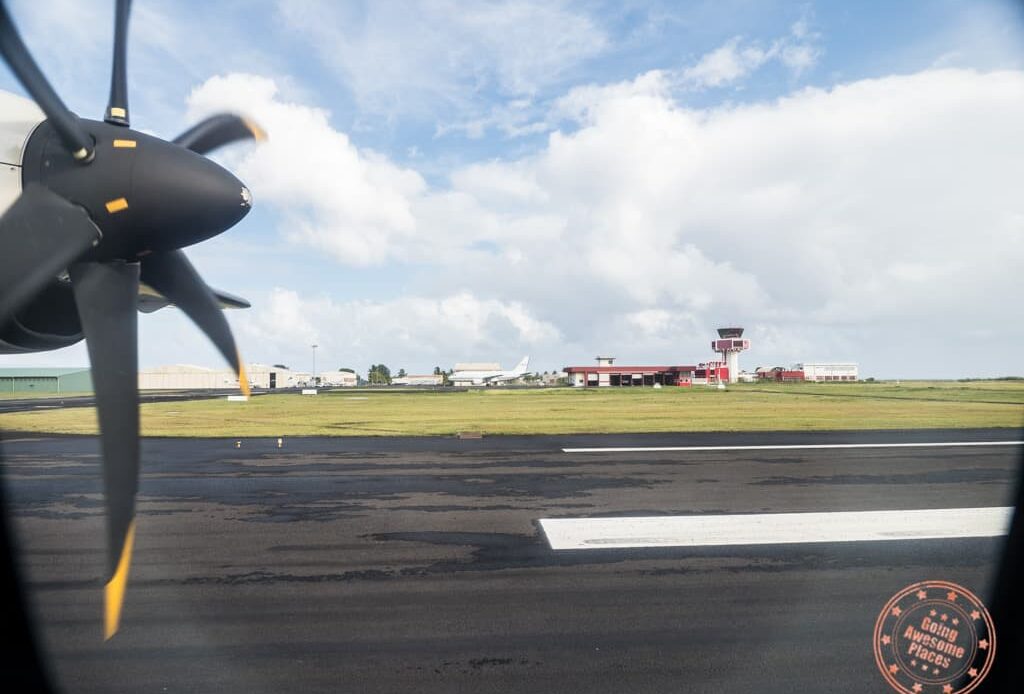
{"x":775,"y":528}
{"x":791,"y":447}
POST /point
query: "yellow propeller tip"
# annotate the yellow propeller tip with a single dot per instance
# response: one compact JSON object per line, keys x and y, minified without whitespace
{"x":115,"y":588}
{"x":258,"y":133}
{"x":243,"y":378}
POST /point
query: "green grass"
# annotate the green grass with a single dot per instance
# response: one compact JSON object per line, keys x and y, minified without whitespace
{"x":744,"y":407}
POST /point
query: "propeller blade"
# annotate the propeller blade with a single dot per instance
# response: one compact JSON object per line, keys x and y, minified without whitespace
{"x":40,"y":234}
{"x":173,"y":275}
{"x":217,"y":131}
{"x":105,"y":294}
{"x":151,"y":300}
{"x":117,"y":106}
{"x":226,"y":300}
{"x":66,"y":123}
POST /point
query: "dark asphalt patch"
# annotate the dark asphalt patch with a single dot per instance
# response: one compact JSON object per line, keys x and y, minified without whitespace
{"x":498,"y":551}
{"x":274,"y":497}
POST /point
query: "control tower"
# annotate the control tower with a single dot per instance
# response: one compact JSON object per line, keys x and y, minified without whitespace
{"x":729,"y":345}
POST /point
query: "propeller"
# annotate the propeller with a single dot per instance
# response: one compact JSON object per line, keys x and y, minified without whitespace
{"x":117,"y":105}
{"x":217,"y":131}
{"x":114,"y":206}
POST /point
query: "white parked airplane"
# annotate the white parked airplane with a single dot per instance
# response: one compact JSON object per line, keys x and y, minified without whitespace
{"x":491,"y":377}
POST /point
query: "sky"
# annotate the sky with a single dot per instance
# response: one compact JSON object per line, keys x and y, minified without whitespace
{"x":478,"y":181}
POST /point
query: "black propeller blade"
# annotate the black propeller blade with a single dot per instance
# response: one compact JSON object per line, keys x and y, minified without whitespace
{"x":173,"y":275}
{"x":105,"y":294}
{"x":66,"y":123}
{"x":117,"y":106}
{"x":217,"y":131}
{"x":39,"y":235}
{"x":142,"y":197}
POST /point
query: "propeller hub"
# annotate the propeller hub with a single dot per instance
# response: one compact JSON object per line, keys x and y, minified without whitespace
{"x":145,"y":194}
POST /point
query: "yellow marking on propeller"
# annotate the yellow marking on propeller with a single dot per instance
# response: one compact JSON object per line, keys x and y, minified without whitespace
{"x":243,"y":378}
{"x":257,"y":132}
{"x":114,"y":592}
{"x":81,"y":154}
{"x":117,"y":205}
{"x":118,"y":112}
{"x":130,"y":144}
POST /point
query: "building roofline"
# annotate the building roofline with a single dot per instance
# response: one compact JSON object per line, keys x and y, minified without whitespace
{"x":626,"y":369}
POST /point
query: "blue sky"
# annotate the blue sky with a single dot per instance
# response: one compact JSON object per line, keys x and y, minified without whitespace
{"x":455,"y":181}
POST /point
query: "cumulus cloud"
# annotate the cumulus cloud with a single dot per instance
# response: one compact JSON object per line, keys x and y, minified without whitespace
{"x":839,"y":218}
{"x":351,"y":203}
{"x":412,"y":332}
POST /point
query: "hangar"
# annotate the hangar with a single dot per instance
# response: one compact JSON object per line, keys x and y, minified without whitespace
{"x":835,"y":371}
{"x":186,"y":377}
{"x":45,"y":380}
{"x":189,"y":377}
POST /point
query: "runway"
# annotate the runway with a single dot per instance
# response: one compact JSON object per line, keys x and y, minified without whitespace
{"x":419,"y":564}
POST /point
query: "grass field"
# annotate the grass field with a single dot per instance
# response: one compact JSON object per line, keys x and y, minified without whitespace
{"x":743,"y":407}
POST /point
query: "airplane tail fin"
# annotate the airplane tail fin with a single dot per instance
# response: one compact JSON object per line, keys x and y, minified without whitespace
{"x":522,"y":366}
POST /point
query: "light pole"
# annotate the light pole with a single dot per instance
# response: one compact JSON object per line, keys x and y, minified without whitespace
{"x":314,"y":365}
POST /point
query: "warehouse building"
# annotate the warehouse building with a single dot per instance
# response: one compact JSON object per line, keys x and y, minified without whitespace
{"x":14,"y":381}
{"x":262,"y":376}
{"x":189,"y":377}
{"x":186,"y":377}
{"x":836,"y":371}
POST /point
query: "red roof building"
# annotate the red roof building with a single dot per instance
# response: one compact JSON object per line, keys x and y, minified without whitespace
{"x":607,"y":374}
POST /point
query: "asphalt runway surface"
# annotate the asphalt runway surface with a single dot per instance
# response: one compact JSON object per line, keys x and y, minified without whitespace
{"x":417,"y":564}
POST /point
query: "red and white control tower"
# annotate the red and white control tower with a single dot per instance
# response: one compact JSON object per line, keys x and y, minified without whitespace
{"x":729,"y":345}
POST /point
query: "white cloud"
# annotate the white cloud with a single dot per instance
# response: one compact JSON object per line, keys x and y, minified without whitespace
{"x":735,"y":59}
{"x":727,"y":63}
{"x":351,"y":203}
{"x":835,"y":219}
{"x":842,"y":216}
{"x":413,"y":332}
{"x":409,"y":58}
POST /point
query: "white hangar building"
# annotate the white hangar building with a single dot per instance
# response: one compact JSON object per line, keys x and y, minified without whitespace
{"x":834,"y":371}
{"x":189,"y":377}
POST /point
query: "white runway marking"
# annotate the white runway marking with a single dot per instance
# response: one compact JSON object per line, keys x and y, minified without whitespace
{"x":775,"y":528}
{"x":793,"y":447}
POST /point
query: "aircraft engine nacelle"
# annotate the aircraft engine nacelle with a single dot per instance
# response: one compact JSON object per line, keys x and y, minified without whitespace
{"x":18,"y":119}
{"x":49,"y":321}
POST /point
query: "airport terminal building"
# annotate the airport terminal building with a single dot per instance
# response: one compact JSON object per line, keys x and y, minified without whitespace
{"x":724,"y":370}
{"x":607,"y":374}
